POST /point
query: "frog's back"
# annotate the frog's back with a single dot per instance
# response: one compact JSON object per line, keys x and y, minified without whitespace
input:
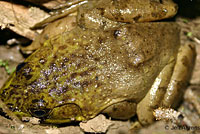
{"x":94,"y":68}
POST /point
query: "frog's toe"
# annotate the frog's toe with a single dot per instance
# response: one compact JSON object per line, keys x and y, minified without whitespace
{"x":155,"y":95}
{"x":168,"y":86}
{"x":181,"y":75}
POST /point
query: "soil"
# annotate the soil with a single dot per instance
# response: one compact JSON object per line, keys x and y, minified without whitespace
{"x":188,"y":18}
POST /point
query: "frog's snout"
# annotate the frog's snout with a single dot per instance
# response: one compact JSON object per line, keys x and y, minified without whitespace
{"x":170,"y":8}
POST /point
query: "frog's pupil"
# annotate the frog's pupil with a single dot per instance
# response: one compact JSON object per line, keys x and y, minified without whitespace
{"x":39,"y":113}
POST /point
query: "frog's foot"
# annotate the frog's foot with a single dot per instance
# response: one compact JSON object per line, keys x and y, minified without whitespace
{"x":169,"y":86}
{"x":66,"y":9}
{"x":122,"y":110}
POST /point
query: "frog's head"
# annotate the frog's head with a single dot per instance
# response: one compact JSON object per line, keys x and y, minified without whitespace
{"x":27,"y":93}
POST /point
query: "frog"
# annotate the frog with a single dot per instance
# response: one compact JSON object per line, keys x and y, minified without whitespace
{"x":122,"y":65}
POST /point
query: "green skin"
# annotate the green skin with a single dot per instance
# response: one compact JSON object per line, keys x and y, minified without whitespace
{"x":121,"y":70}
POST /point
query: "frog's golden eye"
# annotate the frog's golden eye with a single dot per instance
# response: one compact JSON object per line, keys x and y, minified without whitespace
{"x":39,"y":112}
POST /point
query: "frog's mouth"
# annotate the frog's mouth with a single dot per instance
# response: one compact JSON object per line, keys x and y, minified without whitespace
{"x":60,"y":114}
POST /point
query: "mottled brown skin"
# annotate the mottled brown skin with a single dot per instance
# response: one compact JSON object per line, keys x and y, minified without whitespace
{"x":120,"y":71}
{"x":106,"y":14}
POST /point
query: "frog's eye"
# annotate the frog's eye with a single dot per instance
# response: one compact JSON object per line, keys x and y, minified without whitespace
{"x":20,"y":65}
{"x":39,"y":112}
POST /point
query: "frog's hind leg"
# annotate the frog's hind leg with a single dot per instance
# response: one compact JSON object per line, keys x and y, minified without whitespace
{"x":123,"y":110}
{"x":168,"y":86}
{"x":66,"y":9}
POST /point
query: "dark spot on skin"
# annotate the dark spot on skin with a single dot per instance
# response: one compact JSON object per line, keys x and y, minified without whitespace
{"x":12,"y":107}
{"x":99,"y":84}
{"x":55,"y":77}
{"x":116,"y":18}
{"x":15,"y":86}
{"x":77,"y":84}
{"x":137,"y":18}
{"x":104,"y":24}
{"x":55,"y":56}
{"x":64,"y":89}
{"x":73,"y":75}
{"x":35,"y":101}
{"x":84,"y":73}
{"x":21,"y":65}
{"x":116,"y":33}
{"x":185,"y":61}
{"x":73,"y":55}
{"x":78,"y":65}
{"x":4,"y":93}
{"x":28,"y":77}
{"x":102,"y":11}
{"x":65,"y":59}
{"x":42,"y":61}
{"x":86,"y":47}
{"x":114,"y":109}
{"x":122,"y":19}
{"x":53,"y":67}
{"x":100,"y":40}
{"x":96,"y":59}
{"x":85,"y":84}
{"x":191,"y":47}
{"x":90,"y":56}
{"x":18,"y":98}
{"x":62,"y":65}
{"x":12,"y":92}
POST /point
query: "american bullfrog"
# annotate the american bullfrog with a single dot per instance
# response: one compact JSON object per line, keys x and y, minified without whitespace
{"x":122,"y":70}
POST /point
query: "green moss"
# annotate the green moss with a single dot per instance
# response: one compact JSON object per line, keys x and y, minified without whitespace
{"x":5,"y":64}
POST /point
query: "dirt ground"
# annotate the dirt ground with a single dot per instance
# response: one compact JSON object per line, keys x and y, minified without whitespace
{"x":188,"y":18}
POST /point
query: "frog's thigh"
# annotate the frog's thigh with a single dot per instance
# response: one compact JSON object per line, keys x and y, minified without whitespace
{"x":166,"y":86}
{"x":155,"y":94}
{"x":122,"y":110}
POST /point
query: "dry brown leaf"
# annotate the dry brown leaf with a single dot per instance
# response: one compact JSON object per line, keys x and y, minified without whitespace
{"x":19,"y":18}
